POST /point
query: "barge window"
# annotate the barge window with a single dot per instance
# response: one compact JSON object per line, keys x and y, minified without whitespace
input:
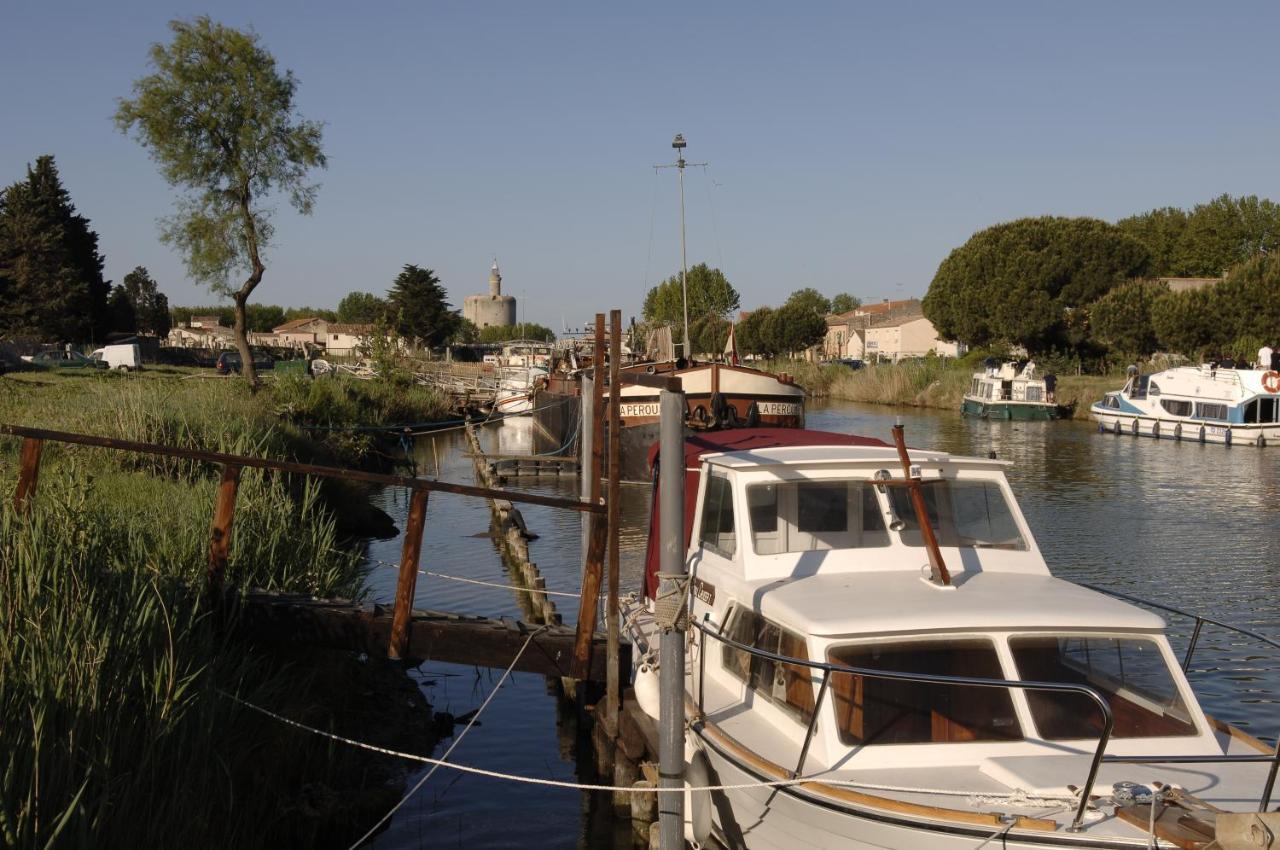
{"x":717,"y":517}
{"x":1131,"y":674}
{"x":803,"y":516}
{"x":886,"y":711}
{"x":1176,"y":406}
{"x":1262,"y":410}
{"x":1211,"y":411}
{"x":962,"y":513}
{"x":788,"y":686}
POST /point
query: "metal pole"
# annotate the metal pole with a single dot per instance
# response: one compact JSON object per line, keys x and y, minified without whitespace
{"x":671,"y":642}
{"x":614,"y":503}
{"x":684,"y":261}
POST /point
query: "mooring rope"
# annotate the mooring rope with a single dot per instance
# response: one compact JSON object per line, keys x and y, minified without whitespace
{"x":1014,"y":796}
{"x":457,"y":740}
{"x":481,"y":582}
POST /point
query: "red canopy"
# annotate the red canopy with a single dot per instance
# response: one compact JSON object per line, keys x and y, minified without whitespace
{"x":714,"y":442}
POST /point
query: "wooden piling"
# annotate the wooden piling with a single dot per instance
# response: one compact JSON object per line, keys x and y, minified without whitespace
{"x":594,"y":571}
{"x":407,"y":583}
{"x":224,"y":513}
{"x":28,"y":474}
{"x":614,"y":504}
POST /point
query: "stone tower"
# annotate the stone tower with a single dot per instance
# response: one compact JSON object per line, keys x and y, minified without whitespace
{"x":494,"y":309}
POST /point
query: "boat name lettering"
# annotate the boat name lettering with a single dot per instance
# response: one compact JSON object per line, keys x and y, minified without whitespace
{"x":639,"y":408}
{"x":704,"y":591}
{"x":778,"y":408}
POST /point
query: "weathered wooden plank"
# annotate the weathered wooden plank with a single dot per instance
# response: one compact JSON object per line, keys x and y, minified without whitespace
{"x":432,"y":635}
{"x":224,"y":513}
{"x":223,"y":458}
{"x":407,"y":582}
{"x":28,"y":473}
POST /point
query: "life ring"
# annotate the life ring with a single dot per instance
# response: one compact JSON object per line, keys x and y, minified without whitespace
{"x":1271,"y":382}
{"x":650,"y":369}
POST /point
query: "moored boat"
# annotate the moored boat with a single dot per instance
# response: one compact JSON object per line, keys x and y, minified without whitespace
{"x":1009,"y":392}
{"x":1206,"y":404}
{"x":879,"y":656}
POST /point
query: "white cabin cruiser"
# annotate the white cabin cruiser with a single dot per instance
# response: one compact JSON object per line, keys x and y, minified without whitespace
{"x":877,"y":681}
{"x":1198,"y":403}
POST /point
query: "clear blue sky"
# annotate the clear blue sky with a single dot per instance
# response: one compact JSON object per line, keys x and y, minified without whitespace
{"x":852,"y":146}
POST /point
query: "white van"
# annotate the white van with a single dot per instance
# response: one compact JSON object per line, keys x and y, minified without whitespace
{"x":126,"y":358}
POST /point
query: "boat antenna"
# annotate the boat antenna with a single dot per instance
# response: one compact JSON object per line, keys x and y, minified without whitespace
{"x":937,"y":569}
{"x":679,"y":144}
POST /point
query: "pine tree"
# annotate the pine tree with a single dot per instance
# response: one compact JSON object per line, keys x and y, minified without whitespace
{"x":150,"y":306}
{"x":51,"y":282}
{"x":418,"y":307}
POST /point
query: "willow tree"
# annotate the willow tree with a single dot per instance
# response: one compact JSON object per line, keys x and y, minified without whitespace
{"x":219,"y":118}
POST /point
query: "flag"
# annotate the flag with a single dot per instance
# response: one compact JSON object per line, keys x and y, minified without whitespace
{"x":731,"y":349}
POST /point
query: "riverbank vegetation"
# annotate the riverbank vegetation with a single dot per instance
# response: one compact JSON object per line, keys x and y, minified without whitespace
{"x":116,"y":681}
{"x":926,"y":382}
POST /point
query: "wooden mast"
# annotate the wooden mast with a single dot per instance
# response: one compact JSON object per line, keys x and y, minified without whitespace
{"x":938,"y":570}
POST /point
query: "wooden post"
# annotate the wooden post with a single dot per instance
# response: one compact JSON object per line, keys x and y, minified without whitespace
{"x":28,"y":474}
{"x":408,"y":581}
{"x":614,"y":504}
{"x":589,"y":603}
{"x":223,"y":514}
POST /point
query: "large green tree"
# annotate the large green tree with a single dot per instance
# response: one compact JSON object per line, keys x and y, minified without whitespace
{"x":710,"y":294}
{"x":1122,"y":318}
{"x":121,"y":316}
{"x":150,"y":305}
{"x":843,"y":302}
{"x":1189,"y":322}
{"x":1209,"y":239}
{"x":218,"y":116}
{"x":795,"y":326}
{"x":811,"y":300}
{"x":51,"y":282}
{"x":754,"y":333}
{"x":418,"y":307}
{"x":1026,"y":281}
{"x":361,"y":308}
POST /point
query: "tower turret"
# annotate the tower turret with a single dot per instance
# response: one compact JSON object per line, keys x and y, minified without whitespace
{"x":495,"y":279}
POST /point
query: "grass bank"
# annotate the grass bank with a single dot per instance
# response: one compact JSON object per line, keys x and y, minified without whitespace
{"x":929,"y":382}
{"x":116,"y":729}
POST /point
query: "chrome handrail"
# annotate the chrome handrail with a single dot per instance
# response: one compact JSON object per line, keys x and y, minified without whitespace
{"x":828,"y":668}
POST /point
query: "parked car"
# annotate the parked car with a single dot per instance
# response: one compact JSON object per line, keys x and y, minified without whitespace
{"x":64,"y":360}
{"x":125,"y":357}
{"x":851,"y":362}
{"x":229,"y":362}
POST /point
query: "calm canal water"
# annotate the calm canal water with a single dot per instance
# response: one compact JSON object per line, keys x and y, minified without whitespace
{"x":1195,"y":527}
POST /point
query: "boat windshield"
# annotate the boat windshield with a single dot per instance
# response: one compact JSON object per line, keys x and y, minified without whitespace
{"x":1131,"y":674}
{"x":962,"y":513}
{"x":801,"y":516}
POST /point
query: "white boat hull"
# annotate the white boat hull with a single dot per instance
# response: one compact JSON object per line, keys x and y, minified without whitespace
{"x":1234,"y":434}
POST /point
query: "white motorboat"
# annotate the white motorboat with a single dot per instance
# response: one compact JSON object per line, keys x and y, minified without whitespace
{"x":1203,"y":404}
{"x":864,"y":678}
{"x":516,"y":386}
{"x":1006,"y":392}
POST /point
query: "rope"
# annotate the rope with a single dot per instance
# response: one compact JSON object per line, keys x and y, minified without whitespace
{"x":457,"y":740}
{"x":502,"y":585}
{"x":1013,"y":796}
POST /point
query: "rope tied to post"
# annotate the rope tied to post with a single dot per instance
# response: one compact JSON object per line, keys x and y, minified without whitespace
{"x":671,"y":606}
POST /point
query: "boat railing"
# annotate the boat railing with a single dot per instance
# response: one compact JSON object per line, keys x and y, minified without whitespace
{"x":707,"y":628}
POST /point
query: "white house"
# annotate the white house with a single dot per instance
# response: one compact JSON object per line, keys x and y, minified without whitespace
{"x":310,"y":330}
{"x":343,"y":340}
{"x":897,"y":337}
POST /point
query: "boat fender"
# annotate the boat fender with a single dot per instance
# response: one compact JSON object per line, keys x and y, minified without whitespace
{"x":1226,"y":438}
{"x":1134,"y":427}
{"x":697,"y":804}
{"x":700,"y":414}
{"x":1102,"y":427}
{"x":1261,"y":442}
{"x":1117,"y":428}
{"x":718,"y":405}
{"x":1155,"y":430}
{"x":731,"y":416}
{"x":1177,"y":431}
{"x":646,"y":688}
{"x":753,"y":415}
{"x":1202,"y":433}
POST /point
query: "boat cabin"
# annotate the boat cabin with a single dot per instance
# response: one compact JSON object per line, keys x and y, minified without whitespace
{"x":806,"y":545}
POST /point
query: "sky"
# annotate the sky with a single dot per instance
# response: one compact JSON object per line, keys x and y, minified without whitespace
{"x":851,"y":146}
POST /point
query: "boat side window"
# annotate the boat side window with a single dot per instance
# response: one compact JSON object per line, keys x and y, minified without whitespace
{"x":976,"y":388}
{"x":1176,"y":406}
{"x":1205,"y":410}
{"x":803,"y":516}
{"x":1153,"y":388}
{"x":789,"y":686}
{"x":1131,"y":674}
{"x":962,"y":513}
{"x":1262,"y":410}
{"x":717,"y":517}
{"x":887,"y":711}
